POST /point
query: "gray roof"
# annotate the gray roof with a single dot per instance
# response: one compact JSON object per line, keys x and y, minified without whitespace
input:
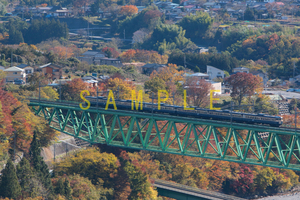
{"x":89,"y":78}
{"x":209,"y":3}
{"x":92,"y":53}
{"x":22,"y":66}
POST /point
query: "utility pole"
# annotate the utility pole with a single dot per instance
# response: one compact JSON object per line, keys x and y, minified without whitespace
{"x":88,"y":34}
{"x":152,"y":103}
{"x":184,"y":61}
{"x":97,"y":97}
{"x":40,"y":91}
{"x":124,"y":34}
{"x":11,"y":58}
{"x":294,"y":74}
{"x":60,"y":90}
{"x":15,"y":140}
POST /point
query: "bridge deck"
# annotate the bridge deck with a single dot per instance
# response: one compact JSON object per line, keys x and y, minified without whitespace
{"x":234,"y":142}
{"x":183,"y":192}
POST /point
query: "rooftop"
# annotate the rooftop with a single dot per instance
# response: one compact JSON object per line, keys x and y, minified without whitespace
{"x":13,"y":69}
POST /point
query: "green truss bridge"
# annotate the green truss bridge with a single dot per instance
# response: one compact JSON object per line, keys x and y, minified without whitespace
{"x":234,"y":142}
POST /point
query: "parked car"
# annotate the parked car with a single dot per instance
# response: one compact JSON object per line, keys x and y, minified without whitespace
{"x":290,"y":90}
{"x":19,"y":82}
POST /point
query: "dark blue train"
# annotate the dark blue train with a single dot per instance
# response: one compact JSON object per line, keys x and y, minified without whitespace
{"x":223,"y":115}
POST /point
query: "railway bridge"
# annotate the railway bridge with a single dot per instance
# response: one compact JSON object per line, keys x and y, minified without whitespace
{"x":233,"y":142}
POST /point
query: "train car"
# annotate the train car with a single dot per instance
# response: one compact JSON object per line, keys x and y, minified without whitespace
{"x":221,"y":115}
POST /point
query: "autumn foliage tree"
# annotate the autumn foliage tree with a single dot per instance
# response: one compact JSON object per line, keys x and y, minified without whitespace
{"x":243,"y":84}
{"x":63,"y":52}
{"x":71,"y":90}
{"x":143,"y":56}
{"x":129,"y":10}
{"x":110,"y":52}
{"x":198,"y":91}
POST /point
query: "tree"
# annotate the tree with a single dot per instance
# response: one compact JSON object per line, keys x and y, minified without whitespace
{"x":129,"y":10}
{"x":110,"y":52}
{"x":15,"y":36}
{"x":24,"y":173}
{"x":71,"y":90}
{"x":243,"y":84}
{"x":245,"y":184}
{"x":196,"y":25}
{"x":95,"y":7}
{"x":249,"y":14}
{"x":60,"y":188}
{"x":39,"y":165}
{"x":92,"y":164}
{"x":264,"y":178}
{"x":155,"y":84}
{"x":198,"y":91}
{"x":35,"y":153}
{"x":67,"y":189}
{"x":174,"y":37}
{"x":10,"y":186}
{"x":2,"y":9}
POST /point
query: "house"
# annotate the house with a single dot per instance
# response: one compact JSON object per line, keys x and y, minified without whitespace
{"x":198,"y":75}
{"x":214,"y":72}
{"x":90,"y":56}
{"x":215,"y":85}
{"x":91,"y":80}
{"x":263,"y":75}
{"x":241,"y":69}
{"x":27,"y":68}
{"x":108,"y":61}
{"x":15,"y":74}
{"x":149,"y":68}
{"x":53,"y":70}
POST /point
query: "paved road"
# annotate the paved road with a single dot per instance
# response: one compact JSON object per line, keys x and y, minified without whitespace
{"x":288,"y":95}
{"x":295,"y":196}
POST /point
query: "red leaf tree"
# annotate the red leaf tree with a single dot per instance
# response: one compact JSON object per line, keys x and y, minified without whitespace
{"x":243,"y":84}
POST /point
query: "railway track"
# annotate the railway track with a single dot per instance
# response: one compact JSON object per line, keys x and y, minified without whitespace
{"x":93,"y":108}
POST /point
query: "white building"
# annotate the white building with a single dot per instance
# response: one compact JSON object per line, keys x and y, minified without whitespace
{"x":214,"y":72}
{"x":241,"y":69}
{"x":15,"y":74}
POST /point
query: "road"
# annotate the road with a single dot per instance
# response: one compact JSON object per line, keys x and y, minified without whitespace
{"x":288,"y":95}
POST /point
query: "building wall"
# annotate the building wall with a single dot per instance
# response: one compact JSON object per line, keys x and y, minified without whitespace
{"x":27,"y":69}
{"x":214,"y":73}
{"x":10,"y":76}
{"x":217,"y":86}
{"x":52,"y":71}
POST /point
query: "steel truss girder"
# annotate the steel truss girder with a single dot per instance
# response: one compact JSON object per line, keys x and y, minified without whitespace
{"x":209,"y":139}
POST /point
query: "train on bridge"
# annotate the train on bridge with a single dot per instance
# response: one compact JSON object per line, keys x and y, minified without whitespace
{"x":223,"y":115}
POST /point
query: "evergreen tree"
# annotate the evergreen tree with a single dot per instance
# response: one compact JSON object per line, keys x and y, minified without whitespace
{"x":38,"y":163}
{"x":249,"y":14}
{"x":68,"y":190}
{"x":15,"y":36}
{"x":60,"y":187}
{"x":10,"y":186}
{"x":25,"y":175}
{"x":45,"y":176}
{"x":35,"y":153}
